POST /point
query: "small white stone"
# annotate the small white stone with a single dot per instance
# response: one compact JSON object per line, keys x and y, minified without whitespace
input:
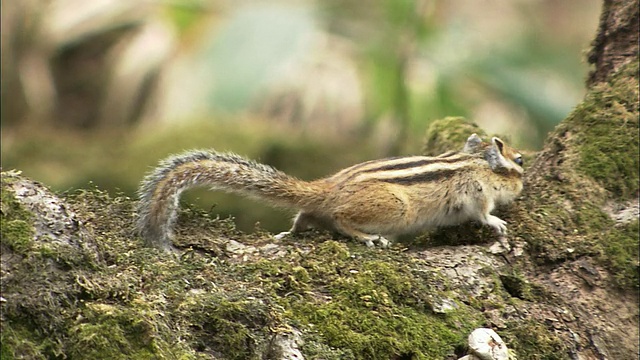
{"x":497,"y":248}
{"x":287,"y":345}
{"x":239,"y":248}
{"x":269,"y":248}
{"x":487,"y":345}
{"x":518,"y":249}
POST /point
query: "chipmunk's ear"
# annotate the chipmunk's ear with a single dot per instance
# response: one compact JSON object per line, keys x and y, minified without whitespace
{"x":502,"y":158}
{"x":473,"y":144}
{"x":499,"y":144}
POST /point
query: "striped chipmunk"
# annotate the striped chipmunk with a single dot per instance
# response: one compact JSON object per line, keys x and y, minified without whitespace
{"x":372,"y":202}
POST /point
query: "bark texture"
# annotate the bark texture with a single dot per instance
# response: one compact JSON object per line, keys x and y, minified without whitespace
{"x":616,"y":42}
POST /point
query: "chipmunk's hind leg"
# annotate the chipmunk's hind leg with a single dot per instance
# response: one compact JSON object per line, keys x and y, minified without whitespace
{"x":371,"y":212}
{"x":303,"y":222}
{"x":367,"y":239}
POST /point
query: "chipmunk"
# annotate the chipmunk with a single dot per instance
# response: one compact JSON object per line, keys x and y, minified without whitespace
{"x":371,"y":202}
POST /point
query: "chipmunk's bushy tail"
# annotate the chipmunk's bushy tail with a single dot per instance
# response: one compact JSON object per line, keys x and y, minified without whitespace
{"x":160,"y":190}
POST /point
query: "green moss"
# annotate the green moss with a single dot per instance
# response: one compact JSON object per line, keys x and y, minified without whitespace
{"x":589,"y":160}
{"x":608,"y":141}
{"x":16,"y":234}
{"x":615,"y":246}
{"x":368,"y":308}
{"x":370,"y":334}
{"x":314,"y":348}
{"x":584,"y":230}
{"x":16,"y":223}
{"x":517,"y":286}
{"x":226,"y":324}
{"x":449,"y":134}
{"x":17,"y":342}
{"x":621,"y":248}
{"x":111,"y":332}
{"x":533,"y":341}
{"x":63,"y":312}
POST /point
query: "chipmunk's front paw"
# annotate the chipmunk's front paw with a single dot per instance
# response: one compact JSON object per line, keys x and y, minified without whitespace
{"x":498,"y":224}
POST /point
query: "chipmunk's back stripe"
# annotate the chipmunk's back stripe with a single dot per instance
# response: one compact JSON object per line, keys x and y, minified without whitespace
{"x":401,"y":167}
{"x":355,"y":168}
{"x":448,"y":154}
{"x":427,"y":176}
{"x":414,"y":164}
{"x":388,"y":166}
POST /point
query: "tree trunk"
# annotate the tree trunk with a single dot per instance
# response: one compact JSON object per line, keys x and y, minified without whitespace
{"x":580,"y":204}
{"x":616,"y":42}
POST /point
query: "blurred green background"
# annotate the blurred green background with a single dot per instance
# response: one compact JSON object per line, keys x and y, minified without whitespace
{"x":98,"y":92}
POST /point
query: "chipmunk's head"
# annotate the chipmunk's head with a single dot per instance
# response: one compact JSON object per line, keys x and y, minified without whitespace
{"x":500,"y":156}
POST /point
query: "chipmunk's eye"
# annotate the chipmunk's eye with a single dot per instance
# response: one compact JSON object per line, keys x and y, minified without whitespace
{"x":518,"y":160}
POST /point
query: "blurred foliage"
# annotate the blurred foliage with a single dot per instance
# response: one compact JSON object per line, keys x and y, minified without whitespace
{"x":185,"y":15}
{"x":390,"y":36}
{"x":520,"y":69}
{"x":417,"y":60}
{"x":270,"y":31}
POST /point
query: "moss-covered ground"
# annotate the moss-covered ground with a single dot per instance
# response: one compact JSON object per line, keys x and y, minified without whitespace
{"x":211,"y":301}
{"x":138,"y":303}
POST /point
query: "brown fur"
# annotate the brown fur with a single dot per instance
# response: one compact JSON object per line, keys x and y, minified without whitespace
{"x":368,"y":201}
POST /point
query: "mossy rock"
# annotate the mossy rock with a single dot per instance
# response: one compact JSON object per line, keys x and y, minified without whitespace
{"x":448,"y":134}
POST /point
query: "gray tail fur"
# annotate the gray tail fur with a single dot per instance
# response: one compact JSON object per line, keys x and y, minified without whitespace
{"x":160,"y":190}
